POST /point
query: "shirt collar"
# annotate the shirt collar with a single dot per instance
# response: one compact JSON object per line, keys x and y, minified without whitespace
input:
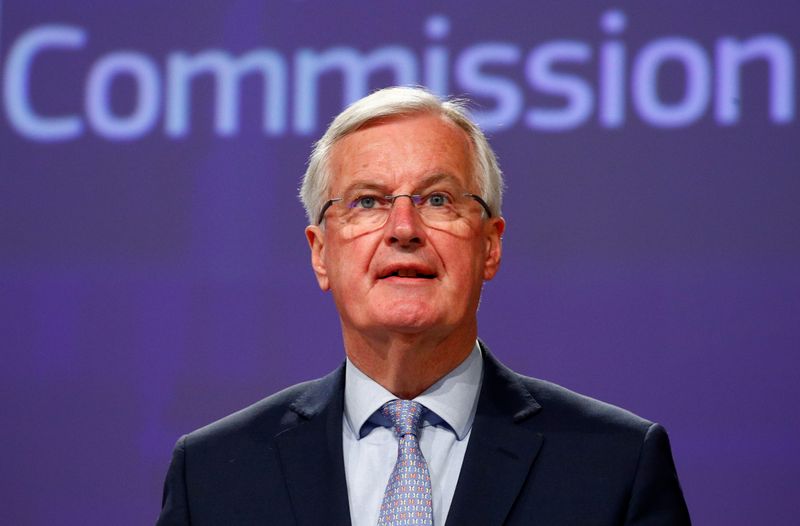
{"x":453,"y":398}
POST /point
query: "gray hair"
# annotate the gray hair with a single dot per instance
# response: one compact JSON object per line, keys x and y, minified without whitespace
{"x":390,"y":102}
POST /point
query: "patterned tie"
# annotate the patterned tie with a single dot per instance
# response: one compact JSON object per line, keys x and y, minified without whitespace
{"x":407,"y":499}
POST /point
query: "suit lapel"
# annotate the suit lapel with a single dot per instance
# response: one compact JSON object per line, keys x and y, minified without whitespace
{"x":501,"y":451}
{"x":311,"y":454}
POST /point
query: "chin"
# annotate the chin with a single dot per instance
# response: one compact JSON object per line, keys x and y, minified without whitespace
{"x":408,"y":318}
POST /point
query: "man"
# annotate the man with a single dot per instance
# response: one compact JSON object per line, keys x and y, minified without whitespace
{"x":421,"y":425}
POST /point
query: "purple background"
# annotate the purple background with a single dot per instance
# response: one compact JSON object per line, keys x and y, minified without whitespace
{"x":153,"y":284}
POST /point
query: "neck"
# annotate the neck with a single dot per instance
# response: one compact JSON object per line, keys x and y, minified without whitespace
{"x":407,"y":364}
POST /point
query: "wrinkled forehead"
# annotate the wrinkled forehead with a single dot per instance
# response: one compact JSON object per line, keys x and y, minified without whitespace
{"x":409,"y":150}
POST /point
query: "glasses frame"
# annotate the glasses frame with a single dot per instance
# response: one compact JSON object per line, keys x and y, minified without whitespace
{"x":415,"y":198}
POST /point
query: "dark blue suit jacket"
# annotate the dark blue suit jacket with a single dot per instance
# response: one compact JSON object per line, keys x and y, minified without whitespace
{"x":538,"y":454}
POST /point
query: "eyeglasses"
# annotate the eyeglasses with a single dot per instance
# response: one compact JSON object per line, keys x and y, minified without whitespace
{"x":371,"y":209}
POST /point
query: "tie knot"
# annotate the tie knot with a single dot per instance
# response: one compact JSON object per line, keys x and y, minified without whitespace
{"x":404,"y":415}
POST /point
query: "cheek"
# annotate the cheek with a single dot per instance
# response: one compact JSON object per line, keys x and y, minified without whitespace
{"x":464,"y":261}
{"x":347,"y":264}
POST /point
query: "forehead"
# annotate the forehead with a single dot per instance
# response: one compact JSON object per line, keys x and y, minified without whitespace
{"x":402,"y":151}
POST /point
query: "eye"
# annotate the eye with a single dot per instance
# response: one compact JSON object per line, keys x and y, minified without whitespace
{"x":438,"y":199}
{"x":365,"y":202}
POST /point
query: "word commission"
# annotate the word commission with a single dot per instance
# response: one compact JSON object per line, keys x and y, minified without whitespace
{"x":623,"y":82}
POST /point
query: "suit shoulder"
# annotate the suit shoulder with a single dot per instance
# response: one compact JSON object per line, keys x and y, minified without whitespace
{"x":560,"y":408}
{"x":582,"y":411}
{"x":269,"y":416}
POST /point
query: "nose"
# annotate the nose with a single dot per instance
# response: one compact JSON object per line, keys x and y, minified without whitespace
{"x":404,"y":226}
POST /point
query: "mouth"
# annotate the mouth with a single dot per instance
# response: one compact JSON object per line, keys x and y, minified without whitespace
{"x":408,"y":273}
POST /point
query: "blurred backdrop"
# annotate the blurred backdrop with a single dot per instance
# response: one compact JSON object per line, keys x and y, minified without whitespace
{"x":154,"y":274}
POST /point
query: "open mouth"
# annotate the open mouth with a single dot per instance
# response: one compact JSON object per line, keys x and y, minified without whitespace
{"x":408,"y":273}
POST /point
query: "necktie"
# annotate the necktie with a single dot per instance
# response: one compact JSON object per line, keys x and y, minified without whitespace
{"x":407,"y":499}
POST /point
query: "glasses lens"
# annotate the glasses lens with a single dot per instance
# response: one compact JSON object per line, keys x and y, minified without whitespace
{"x":442,"y":206}
{"x":367,"y":209}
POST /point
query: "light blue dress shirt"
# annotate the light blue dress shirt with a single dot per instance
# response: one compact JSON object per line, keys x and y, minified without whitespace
{"x":370,"y":446}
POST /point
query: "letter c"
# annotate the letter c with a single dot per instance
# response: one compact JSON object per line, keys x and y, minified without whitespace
{"x":16,"y":87}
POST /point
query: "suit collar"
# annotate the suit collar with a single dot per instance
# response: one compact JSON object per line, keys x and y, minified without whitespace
{"x":501,"y":451}
{"x":310,"y":451}
{"x":319,"y":394}
{"x":504,"y":394}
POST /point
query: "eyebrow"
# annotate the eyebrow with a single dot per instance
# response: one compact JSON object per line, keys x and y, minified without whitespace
{"x":425,"y":183}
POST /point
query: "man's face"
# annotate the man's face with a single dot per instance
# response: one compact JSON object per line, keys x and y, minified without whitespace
{"x":408,"y":275}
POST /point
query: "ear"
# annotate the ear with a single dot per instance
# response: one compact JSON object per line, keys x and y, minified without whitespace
{"x":316,"y":242}
{"x":493,"y":230}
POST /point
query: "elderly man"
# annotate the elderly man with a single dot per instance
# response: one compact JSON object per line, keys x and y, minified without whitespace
{"x":421,"y":424}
